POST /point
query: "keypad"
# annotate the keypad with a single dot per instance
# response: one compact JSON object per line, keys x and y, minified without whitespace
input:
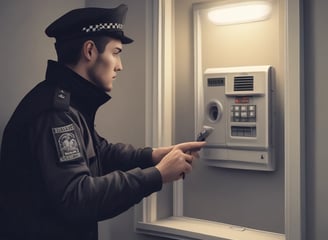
{"x":243,"y":113}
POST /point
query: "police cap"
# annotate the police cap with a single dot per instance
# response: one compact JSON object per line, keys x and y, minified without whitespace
{"x":84,"y":22}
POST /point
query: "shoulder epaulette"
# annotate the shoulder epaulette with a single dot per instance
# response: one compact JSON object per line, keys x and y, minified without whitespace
{"x":61,"y":99}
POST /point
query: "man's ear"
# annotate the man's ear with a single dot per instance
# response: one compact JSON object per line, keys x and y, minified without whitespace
{"x":89,"y":50}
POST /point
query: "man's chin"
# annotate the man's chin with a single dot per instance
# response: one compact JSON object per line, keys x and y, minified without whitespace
{"x":108,"y":89}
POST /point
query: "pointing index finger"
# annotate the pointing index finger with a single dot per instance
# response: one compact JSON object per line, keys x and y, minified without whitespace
{"x":190,"y":146}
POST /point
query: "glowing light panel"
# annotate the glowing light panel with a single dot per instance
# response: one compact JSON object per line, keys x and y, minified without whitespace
{"x":242,"y":12}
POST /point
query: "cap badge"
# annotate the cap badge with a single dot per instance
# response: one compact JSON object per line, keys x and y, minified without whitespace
{"x":100,"y":26}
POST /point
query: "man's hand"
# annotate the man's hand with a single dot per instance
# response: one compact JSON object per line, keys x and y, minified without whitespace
{"x":175,"y":161}
{"x":159,"y":153}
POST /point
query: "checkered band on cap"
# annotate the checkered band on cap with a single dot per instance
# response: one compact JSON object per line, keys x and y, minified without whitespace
{"x":100,"y":26}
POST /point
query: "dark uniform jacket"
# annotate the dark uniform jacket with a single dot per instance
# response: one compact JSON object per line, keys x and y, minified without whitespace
{"x":58,"y":176}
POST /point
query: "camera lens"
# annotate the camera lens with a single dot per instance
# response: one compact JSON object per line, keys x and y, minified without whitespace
{"x":214,"y":111}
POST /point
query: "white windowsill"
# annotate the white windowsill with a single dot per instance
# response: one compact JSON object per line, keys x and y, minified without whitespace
{"x":191,"y":228}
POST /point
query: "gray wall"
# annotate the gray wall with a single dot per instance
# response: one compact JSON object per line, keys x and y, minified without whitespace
{"x":316,"y":111}
{"x":25,"y":49}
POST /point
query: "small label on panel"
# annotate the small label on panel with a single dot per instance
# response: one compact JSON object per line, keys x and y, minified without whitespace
{"x":243,"y":99}
{"x":215,"y":82}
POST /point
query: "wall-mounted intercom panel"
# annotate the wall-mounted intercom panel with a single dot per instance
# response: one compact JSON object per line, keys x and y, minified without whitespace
{"x":238,"y":106}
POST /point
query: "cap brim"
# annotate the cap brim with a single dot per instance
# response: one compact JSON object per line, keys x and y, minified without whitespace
{"x":126,"y":40}
{"x":120,"y":36}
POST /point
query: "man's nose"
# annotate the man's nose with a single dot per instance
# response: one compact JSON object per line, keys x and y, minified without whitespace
{"x":119,"y":66}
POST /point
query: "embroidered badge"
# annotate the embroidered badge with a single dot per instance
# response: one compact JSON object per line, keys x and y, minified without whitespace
{"x":67,"y":143}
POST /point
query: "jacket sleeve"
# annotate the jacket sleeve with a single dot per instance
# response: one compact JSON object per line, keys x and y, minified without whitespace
{"x":60,"y":149}
{"x":121,"y":156}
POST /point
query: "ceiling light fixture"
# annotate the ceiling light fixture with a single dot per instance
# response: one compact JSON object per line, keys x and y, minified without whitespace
{"x":242,"y":12}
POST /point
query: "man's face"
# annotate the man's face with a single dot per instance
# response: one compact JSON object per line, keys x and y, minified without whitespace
{"x":107,"y":65}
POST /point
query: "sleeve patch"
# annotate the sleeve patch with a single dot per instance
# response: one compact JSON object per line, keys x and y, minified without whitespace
{"x":67,"y":143}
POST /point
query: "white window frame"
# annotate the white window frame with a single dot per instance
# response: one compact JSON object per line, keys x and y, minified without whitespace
{"x":160,"y":116}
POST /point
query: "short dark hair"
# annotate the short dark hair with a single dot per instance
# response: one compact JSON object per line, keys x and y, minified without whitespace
{"x":69,"y":51}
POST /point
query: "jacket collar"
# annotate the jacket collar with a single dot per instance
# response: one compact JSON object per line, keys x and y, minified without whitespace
{"x":85,"y":96}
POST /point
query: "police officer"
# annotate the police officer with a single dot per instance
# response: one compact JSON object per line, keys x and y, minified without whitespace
{"x":59,"y":177}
